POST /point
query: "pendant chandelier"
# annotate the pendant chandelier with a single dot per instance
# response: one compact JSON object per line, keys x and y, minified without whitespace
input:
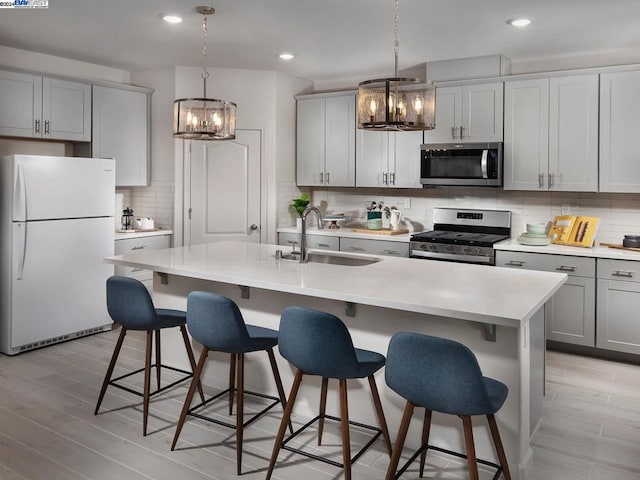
{"x":204,"y":118}
{"x":398,"y":103}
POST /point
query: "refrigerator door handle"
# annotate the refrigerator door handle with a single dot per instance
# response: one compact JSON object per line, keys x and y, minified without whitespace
{"x":20,"y":196}
{"x":22,"y":246}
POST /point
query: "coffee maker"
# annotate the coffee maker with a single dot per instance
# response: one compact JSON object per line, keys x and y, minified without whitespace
{"x":127,"y":219}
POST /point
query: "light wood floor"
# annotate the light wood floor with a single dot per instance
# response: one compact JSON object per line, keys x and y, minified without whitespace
{"x":591,"y":426}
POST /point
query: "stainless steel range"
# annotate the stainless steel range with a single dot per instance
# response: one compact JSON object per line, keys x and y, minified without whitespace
{"x":462,"y":235}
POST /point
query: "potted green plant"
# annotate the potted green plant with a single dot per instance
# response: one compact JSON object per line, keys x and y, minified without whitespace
{"x":299,"y":205}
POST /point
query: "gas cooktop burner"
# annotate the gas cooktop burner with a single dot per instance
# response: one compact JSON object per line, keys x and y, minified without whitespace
{"x":459,"y":238}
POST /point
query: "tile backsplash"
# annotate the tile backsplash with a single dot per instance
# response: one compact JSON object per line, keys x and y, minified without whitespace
{"x":155,"y":201}
{"x":619,"y":213}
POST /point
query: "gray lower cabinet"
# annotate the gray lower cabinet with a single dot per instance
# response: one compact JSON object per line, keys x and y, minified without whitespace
{"x":375,"y":247}
{"x":320,"y":242}
{"x":131,"y":245}
{"x":570,"y":316}
{"x":618,"y":305}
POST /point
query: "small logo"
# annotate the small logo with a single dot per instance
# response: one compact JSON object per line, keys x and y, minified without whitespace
{"x":24,"y":4}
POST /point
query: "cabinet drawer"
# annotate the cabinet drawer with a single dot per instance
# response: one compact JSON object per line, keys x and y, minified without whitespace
{"x":289,"y":239}
{"x":130,"y":245}
{"x":375,"y":247}
{"x":576,"y":266}
{"x":323,"y":242}
{"x":625,"y":270}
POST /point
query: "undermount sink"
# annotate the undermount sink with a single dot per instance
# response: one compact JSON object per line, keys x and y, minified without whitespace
{"x":333,"y":259}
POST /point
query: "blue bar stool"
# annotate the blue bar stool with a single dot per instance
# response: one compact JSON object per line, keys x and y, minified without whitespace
{"x":216,"y":322}
{"x":318,"y":343}
{"x":443,"y":376}
{"x":130,"y":305}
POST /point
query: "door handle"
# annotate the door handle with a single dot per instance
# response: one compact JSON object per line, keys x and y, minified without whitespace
{"x":22,"y":244}
{"x":253,"y":226}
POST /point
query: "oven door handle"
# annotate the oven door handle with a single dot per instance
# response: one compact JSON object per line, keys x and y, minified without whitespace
{"x":483,"y":163}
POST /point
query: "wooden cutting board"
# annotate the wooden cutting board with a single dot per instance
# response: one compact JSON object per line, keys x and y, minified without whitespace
{"x":382,"y":231}
{"x":620,"y":246}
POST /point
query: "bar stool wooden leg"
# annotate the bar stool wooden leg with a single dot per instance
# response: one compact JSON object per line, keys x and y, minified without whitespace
{"x":158,"y":361}
{"x":323,"y":407}
{"x":471,"y":450}
{"x":192,"y":360}
{"x":147,"y":382}
{"x":232,"y":379}
{"x":278,"y":380}
{"x":286,"y":418}
{"x":499,"y":449}
{"x":344,"y":420}
{"x":379,"y":412}
{"x":112,"y":364}
{"x":192,"y":390}
{"x":240,"y":412}
{"x":426,"y":428}
{"x":402,"y":436}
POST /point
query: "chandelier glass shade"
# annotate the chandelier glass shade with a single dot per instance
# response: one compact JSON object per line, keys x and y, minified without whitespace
{"x":204,"y":118}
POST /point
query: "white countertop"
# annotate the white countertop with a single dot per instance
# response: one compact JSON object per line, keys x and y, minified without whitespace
{"x":349,"y":233}
{"x":477,"y":293}
{"x":596,"y":251}
{"x":141,"y":233}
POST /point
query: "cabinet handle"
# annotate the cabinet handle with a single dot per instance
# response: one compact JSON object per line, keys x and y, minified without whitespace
{"x":327,"y":178}
{"x":551,"y":179}
{"x":292,"y":242}
{"x":622,"y":273}
{"x":325,"y":245}
{"x":391,"y":252}
{"x":453,"y":132}
{"x":515,"y":263}
{"x":356,"y":249}
{"x":322,"y":177}
{"x":541,"y":180}
{"x":137,"y":270}
{"x":392,"y":178}
{"x":566,"y":268}
{"x":462,"y":134}
{"x":138,"y":248}
{"x":384,"y":178}
{"x":37,"y":126}
{"x":46,"y":127}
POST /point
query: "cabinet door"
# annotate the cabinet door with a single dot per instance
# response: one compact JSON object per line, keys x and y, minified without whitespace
{"x":619,"y":127}
{"x":482,"y":118}
{"x":573,"y":133}
{"x":372,"y":158}
{"x":617,"y":315}
{"x":310,"y":141}
{"x":20,"y":104}
{"x":572,"y":312}
{"x":66,"y":110}
{"x":121,"y":131}
{"x":340,"y":141}
{"x":526,"y":134}
{"x":323,"y":242}
{"x":448,"y":116}
{"x":404,"y":159}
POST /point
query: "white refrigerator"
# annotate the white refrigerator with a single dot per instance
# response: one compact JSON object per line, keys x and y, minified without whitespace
{"x":56,"y":226}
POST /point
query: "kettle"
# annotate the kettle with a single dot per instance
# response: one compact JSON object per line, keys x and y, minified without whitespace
{"x":127,"y":219}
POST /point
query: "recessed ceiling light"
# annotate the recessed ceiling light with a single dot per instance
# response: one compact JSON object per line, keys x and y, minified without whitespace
{"x":171,"y":18}
{"x":286,"y":56}
{"x":519,"y":22}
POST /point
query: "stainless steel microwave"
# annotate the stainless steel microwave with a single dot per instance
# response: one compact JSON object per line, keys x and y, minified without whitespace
{"x":461,"y":164}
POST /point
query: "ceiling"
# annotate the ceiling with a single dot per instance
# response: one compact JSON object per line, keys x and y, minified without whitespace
{"x":330,"y":38}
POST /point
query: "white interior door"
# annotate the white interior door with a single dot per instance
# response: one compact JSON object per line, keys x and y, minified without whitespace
{"x":222,"y":195}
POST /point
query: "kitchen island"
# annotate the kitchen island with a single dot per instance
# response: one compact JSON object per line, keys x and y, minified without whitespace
{"x":498,"y":313}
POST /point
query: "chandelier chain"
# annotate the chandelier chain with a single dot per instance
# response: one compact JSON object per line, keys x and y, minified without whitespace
{"x":396,"y":48}
{"x":205,"y":74}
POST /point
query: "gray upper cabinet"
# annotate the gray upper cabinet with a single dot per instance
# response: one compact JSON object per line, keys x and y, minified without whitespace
{"x":468,"y":113}
{"x":388,"y":159}
{"x":42,"y":107}
{"x":121,"y":130}
{"x":619,"y":127}
{"x":326,"y":140}
{"x":551,"y":134}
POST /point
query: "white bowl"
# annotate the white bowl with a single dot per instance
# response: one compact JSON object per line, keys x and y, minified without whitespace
{"x":536,"y":228}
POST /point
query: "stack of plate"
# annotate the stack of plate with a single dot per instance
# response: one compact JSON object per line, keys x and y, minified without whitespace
{"x":533,"y":239}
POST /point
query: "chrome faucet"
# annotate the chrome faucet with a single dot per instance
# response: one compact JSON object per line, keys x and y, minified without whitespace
{"x":304,"y":255}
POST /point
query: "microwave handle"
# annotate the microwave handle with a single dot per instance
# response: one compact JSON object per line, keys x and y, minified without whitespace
{"x":483,"y":164}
